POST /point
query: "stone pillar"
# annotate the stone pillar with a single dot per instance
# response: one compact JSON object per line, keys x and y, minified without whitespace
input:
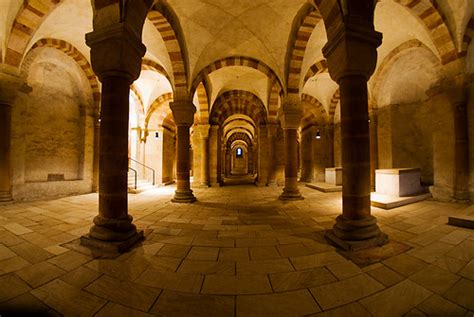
{"x":204,"y":132}
{"x":373,"y":148}
{"x":307,"y":153}
{"x":183,"y":113}
{"x":352,"y":58}
{"x":272,"y":130}
{"x":262,"y":177}
{"x":95,"y":169}
{"x":113,"y":229}
{"x":290,"y":116}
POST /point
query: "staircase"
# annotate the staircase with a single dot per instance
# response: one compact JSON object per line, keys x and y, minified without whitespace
{"x":137,"y":182}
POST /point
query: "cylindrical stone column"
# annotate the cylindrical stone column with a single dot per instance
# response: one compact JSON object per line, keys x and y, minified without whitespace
{"x":290,"y":116}
{"x":113,"y":222}
{"x":356,"y":227}
{"x":272,"y":132}
{"x":291,"y":191}
{"x":183,"y":113}
{"x":5,"y":149}
{"x":205,"y":161}
{"x":461,"y":148}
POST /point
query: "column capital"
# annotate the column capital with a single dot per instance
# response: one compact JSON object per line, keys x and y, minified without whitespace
{"x":352,"y":50}
{"x":203,"y":130}
{"x":183,"y":112}
{"x":10,"y":86}
{"x":116,"y":51}
{"x":272,"y":129}
{"x":290,"y":114}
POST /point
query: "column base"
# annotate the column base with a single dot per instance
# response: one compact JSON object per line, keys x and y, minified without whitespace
{"x":291,"y":195}
{"x":112,"y":247}
{"x":183,"y":196}
{"x":110,"y":235}
{"x":5,"y":196}
{"x":260,"y":184}
{"x":351,"y":235}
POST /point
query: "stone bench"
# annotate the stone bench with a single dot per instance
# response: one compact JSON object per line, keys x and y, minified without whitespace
{"x":398,"y":181}
{"x":333,"y":175}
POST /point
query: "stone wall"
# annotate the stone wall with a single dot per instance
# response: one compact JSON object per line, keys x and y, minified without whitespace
{"x":405,"y":138}
{"x":53,"y":130}
{"x":470,"y":113}
{"x":169,"y":157}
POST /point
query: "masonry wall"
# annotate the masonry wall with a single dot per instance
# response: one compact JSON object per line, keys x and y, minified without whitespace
{"x":405,"y":138}
{"x":52,"y":130}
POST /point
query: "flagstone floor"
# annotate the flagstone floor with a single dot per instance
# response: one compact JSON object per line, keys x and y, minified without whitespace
{"x":238,"y":251}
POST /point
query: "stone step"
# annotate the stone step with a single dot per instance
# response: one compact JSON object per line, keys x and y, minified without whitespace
{"x":325,"y":187}
{"x":462,"y":221}
{"x":388,"y":202}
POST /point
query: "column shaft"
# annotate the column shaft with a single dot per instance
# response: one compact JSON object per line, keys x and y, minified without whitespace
{"x":355,"y":139}
{"x":183,"y":187}
{"x":291,"y":190}
{"x":5,"y":152}
{"x":205,"y":162}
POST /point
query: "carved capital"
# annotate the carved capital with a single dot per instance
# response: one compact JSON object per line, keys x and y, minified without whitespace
{"x":10,"y":86}
{"x":116,"y":51}
{"x":352,"y":50}
{"x":183,"y":112}
{"x":290,"y":114}
{"x":203,"y":130}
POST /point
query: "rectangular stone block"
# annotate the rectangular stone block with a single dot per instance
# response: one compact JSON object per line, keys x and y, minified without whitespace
{"x":333,"y":175}
{"x":398,"y":181}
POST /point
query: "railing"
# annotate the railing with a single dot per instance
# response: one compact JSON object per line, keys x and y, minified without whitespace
{"x":145,"y":166}
{"x":135,"y":174}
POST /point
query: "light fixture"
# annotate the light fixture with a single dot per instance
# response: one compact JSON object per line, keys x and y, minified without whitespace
{"x":318,"y":135}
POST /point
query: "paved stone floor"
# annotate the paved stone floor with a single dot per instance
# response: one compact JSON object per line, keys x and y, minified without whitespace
{"x":237,"y":251}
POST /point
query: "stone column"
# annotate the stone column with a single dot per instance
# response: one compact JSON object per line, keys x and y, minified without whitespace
{"x":95,"y":169}
{"x":272,"y":130}
{"x":204,"y":131}
{"x":290,"y":116}
{"x":352,"y":57}
{"x":183,"y":113}
{"x":262,"y":174}
{"x":113,"y":229}
{"x":373,"y":148}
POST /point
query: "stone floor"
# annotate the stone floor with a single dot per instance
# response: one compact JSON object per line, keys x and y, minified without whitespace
{"x":237,"y":251}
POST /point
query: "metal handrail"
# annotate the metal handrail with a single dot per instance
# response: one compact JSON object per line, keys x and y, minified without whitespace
{"x":145,"y":166}
{"x":136,"y":175}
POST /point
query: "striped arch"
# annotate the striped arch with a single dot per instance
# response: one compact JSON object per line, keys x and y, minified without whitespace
{"x":148,"y":64}
{"x":167,"y":24}
{"x":134,"y":90}
{"x":80,"y":59}
{"x":236,"y":61}
{"x":238,"y":102}
{"x":468,"y":36}
{"x":238,"y":136}
{"x":317,"y":68}
{"x":27,"y":21}
{"x":203,"y":103}
{"x":427,"y":11}
{"x":314,"y":106}
{"x":303,"y":25}
{"x":273,"y":103}
{"x":336,"y":97}
{"x":382,"y":70}
{"x":157,"y":105}
{"x":331,"y":13}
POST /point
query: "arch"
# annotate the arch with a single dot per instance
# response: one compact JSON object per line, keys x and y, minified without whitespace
{"x":68,"y":49}
{"x":303,"y":25}
{"x":237,"y":101}
{"x":319,"y":67}
{"x":27,"y":21}
{"x":238,"y":136}
{"x":156,"y":105}
{"x":391,"y":58}
{"x":427,"y":12}
{"x":467,"y":38}
{"x":273,"y":103}
{"x":203,"y":102}
{"x":336,"y":97}
{"x":148,"y":64}
{"x":134,"y":90}
{"x":167,"y":24}
{"x":317,"y":107}
{"x":237,"y":61}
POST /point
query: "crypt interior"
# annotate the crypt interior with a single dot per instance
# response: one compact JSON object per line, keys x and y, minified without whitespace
{"x":236,"y":158}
